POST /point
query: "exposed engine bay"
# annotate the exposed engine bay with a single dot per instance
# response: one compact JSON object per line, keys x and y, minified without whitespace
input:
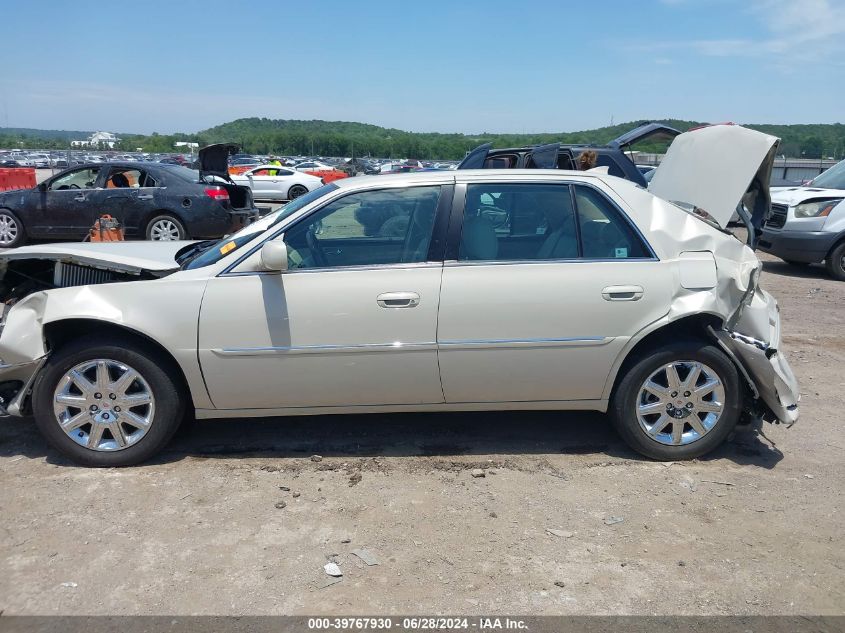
{"x":20,"y":278}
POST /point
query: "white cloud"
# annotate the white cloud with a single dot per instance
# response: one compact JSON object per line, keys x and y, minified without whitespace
{"x":795,"y":33}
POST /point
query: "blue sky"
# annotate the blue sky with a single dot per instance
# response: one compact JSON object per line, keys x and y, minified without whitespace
{"x":460,"y":66}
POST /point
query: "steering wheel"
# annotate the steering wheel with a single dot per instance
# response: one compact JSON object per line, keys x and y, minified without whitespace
{"x":73,"y":186}
{"x":313,"y":246}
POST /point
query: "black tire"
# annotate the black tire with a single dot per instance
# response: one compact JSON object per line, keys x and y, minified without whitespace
{"x":296,"y":191}
{"x":158,"y":372}
{"x":835,"y":262}
{"x":159,"y":222}
{"x":798,"y":264}
{"x":625,"y":400}
{"x":12,"y":231}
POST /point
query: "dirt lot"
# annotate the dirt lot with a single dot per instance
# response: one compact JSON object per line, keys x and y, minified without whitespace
{"x":754,"y":529}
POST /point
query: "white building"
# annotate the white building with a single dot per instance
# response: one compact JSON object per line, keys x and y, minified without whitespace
{"x":98,"y":139}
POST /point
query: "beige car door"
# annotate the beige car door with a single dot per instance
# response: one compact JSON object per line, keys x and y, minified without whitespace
{"x":546,"y":286}
{"x":352,"y":322}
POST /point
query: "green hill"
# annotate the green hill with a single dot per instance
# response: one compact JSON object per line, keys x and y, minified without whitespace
{"x":343,"y":138}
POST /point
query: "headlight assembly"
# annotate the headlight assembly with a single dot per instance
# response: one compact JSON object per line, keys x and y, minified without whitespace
{"x":816,"y":208}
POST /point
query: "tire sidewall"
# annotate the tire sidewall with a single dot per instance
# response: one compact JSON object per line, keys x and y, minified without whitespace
{"x":183,"y":234}
{"x":834,"y":262}
{"x":169,"y":407}
{"x":295,"y":188}
{"x":625,"y":400}
{"x":21,"y":238}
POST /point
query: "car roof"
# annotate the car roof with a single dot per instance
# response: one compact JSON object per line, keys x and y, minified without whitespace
{"x":450,"y":176}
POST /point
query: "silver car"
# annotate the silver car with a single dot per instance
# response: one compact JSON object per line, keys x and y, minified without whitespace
{"x":435,"y":291}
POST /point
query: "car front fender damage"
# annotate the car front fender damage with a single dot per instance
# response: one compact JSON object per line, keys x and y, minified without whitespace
{"x":20,"y":361}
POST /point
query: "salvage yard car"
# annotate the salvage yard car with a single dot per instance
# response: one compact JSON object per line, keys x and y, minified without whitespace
{"x":435,"y":291}
{"x":560,"y":156}
{"x":151,"y":201}
{"x":807,"y":224}
{"x":272,"y":182}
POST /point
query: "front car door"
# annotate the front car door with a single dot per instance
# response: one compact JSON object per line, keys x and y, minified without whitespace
{"x":544,"y":284}
{"x":352,"y":322}
{"x":64,"y":209}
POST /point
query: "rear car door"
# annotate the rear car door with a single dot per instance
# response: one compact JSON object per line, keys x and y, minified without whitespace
{"x":352,"y":322}
{"x":538,"y":305}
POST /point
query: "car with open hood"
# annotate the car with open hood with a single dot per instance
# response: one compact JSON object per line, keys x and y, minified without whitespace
{"x":807,"y":224}
{"x":611,"y":158}
{"x":153,"y":201}
{"x":435,"y":291}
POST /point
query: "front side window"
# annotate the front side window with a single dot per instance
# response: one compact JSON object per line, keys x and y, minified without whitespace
{"x":77,"y":179}
{"x":387,"y":226}
{"x":513,"y":222}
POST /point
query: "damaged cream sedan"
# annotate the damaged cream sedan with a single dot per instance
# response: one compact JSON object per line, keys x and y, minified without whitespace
{"x":456,"y":291}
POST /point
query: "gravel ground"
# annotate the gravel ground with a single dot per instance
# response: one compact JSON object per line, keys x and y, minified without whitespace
{"x":565,"y":520}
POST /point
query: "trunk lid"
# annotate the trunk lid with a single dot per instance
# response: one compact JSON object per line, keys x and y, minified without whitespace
{"x":214,"y":160}
{"x":714,"y":168}
{"x":647,"y":131}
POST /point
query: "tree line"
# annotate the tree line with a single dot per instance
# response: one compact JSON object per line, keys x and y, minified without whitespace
{"x":340,"y":138}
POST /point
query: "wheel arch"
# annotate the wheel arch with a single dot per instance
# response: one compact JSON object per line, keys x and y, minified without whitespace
{"x":57,"y":333}
{"x":693,"y":326}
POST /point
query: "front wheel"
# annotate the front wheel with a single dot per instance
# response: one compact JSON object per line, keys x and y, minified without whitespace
{"x":296,"y":191}
{"x":11,"y":230}
{"x":835,"y":262}
{"x":166,"y":228}
{"x":678,"y":402}
{"x":107,"y":402}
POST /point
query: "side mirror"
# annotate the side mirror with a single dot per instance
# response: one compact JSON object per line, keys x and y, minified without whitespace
{"x":274,"y":256}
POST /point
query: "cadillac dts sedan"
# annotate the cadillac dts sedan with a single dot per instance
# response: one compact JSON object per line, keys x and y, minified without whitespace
{"x":436,"y":291}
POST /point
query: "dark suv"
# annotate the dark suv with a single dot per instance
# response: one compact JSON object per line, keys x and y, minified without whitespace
{"x":560,"y":156}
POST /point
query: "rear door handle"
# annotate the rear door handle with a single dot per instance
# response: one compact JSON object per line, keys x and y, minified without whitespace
{"x":145,"y":196}
{"x":622,"y":293}
{"x":80,"y":197}
{"x":398,"y":300}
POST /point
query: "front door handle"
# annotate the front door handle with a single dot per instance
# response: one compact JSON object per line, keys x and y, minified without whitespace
{"x":398,"y":300}
{"x":622,"y":293}
{"x":80,"y":197}
{"x":145,"y":196}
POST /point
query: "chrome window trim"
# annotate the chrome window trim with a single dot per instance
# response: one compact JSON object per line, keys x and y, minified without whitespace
{"x":452,"y":263}
{"x":335,"y":269}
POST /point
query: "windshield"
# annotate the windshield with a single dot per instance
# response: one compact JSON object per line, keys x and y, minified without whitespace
{"x":206,"y":253}
{"x":833,"y":178}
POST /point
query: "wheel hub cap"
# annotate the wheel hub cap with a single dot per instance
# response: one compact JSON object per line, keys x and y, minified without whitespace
{"x":104,"y":405}
{"x":680,"y":402}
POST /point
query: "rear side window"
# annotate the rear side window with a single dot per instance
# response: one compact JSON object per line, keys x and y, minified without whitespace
{"x":605,"y":234}
{"x":519,"y":222}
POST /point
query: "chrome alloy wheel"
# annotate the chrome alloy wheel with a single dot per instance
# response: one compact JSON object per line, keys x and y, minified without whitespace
{"x":8,"y":229}
{"x":164,"y":231}
{"x":680,"y":402}
{"x":104,"y":405}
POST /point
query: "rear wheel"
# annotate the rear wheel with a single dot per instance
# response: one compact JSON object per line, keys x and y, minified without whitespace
{"x":678,"y":402}
{"x":107,"y":402}
{"x":12,"y":233}
{"x":296,"y":191}
{"x":166,"y":228}
{"x":835,"y":262}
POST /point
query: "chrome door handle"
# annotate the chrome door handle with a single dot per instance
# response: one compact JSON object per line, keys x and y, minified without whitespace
{"x":398,"y":300}
{"x":145,"y":197}
{"x":622,"y":293}
{"x":80,"y":197}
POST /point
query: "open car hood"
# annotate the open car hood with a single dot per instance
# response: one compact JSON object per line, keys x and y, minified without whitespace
{"x":645,"y":132}
{"x":714,"y":168}
{"x":214,"y":159}
{"x":157,"y":258}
